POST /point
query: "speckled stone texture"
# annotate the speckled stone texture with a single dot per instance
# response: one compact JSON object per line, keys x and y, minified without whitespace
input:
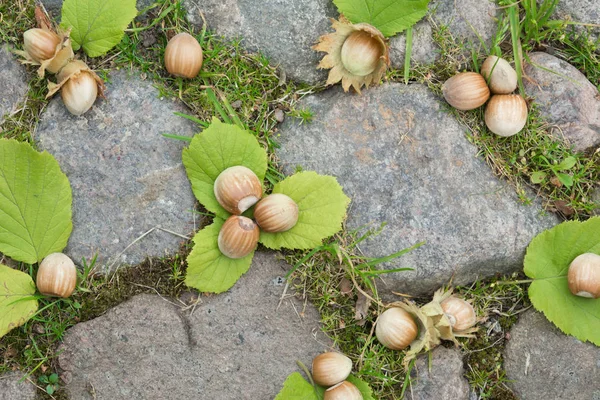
{"x":12,"y":389}
{"x":126,"y":177}
{"x":237,"y":345}
{"x":282,"y":30}
{"x":406,"y":162}
{"x":586,"y":11}
{"x":13,"y":82}
{"x":543,"y":363}
{"x":566,"y":99}
{"x":465,"y":20}
{"x":445,"y":381}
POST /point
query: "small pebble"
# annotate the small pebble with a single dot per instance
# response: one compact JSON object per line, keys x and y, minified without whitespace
{"x":279,"y":115}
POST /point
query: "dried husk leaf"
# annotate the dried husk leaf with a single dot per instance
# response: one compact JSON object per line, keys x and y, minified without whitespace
{"x":332,"y":44}
{"x":441,"y":322}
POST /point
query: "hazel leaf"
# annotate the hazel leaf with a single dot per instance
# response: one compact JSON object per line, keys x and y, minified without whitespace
{"x":321,"y":210}
{"x":17,"y":303}
{"x":208,"y":269}
{"x":217,"y":148}
{"x":296,"y":387}
{"x":35,"y":203}
{"x":97,"y":25}
{"x":547,"y":262}
{"x":363,"y":387}
{"x":389,"y":16}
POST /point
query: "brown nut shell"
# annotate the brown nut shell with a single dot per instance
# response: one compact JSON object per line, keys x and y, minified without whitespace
{"x":343,"y":391}
{"x":331,"y":368}
{"x":238,"y":237}
{"x":460,"y":313}
{"x":361,"y":53}
{"x":584,"y":276}
{"x":183,"y":56}
{"x":237,"y":189}
{"x":79,"y":92}
{"x":56,"y":276}
{"x":40,"y":44}
{"x":276,"y":213}
{"x":466,"y":91}
{"x":500,"y":76}
{"x":396,"y":328}
{"x":506,"y":114}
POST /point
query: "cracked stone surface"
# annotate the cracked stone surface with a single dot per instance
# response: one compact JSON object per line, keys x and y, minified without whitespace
{"x":406,"y":162}
{"x":12,"y":389}
{"x":282,"y":30}
{"x":445,"y":381}
{"x":465,"y":19}
{"x":566,"y":99}
{"x":125,"y":176}
{"x":13,"y":82}
{"x":236,"y":345}
{"x":538,"y":353}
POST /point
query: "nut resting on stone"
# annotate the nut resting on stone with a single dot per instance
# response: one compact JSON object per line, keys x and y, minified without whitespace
{"x":238,"y":237}
{"x":276,"y":213}
{"x":501,"y":77}
{"x":343,"y":391}
{"x":466,"y":91}
{"x":56,"y":276}
{"x":396,"y":328}
{"x":237,"y":189}
{"x":183,"y":56}
{"x":460,"y":313}
{"x":79,"y":87}
{"x":584,"y":276}
{"x":506,"y":114}
{"x":331,"y":368}
{"x":358,"y":54}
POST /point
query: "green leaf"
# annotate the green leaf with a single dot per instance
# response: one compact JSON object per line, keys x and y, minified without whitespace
{"x":538,"y":177}
{"x":208,"y":269}
{"x":97,"y":25}
{"x":566,"y":179}
{"x":322,"y":207}
{"x":363,"y":386}
{"x":389,"y":16}
{"x":566,"y":164}
{"x":35,"y":203}
{"x":296,"y":387}
{"x":217,"y":148}
{"x":547,"y":262}
{"x":17,"y":303}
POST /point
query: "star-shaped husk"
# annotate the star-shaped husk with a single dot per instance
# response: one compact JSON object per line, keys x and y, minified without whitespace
{"x":332,"y":44}
{"x":441,"y":321}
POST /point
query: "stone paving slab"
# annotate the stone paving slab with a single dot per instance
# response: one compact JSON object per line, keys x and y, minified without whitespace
{"x":237,"y":345}
{"x":13,"y":82}
{"x":125,"y":176}
{"x":566,"y":99}
{"x":445,"y":380}
{"x":543,"y":363}
{"x":407,"y":163}
{"x":12,"y":389}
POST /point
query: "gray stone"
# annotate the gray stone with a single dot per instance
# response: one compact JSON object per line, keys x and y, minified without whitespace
{"x":13,"y":82}
{"x":282,"y":30}
{"x":566,"y":99}
{"x":586,"y":11}
{"x":12,"y":389}
{"x":406,"y":162}
{"x":543,"y":363}
{"x":126,"y":177}
{"x":237,"y":345}
{"x":54,"y":7}
{"x":466,"y":20}
{"x":445,"y":381}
